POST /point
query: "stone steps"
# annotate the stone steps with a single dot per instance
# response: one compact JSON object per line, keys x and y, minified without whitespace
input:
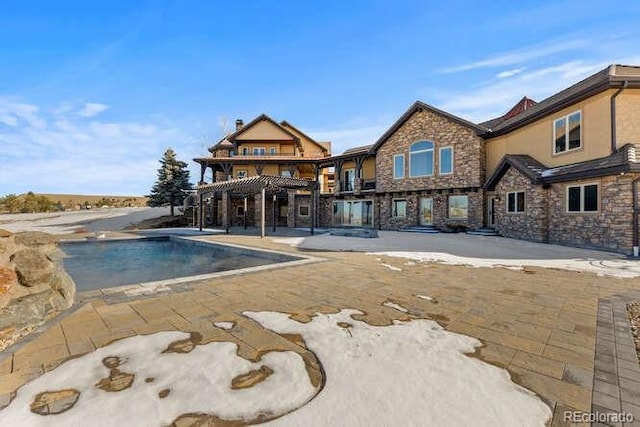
{"x":354,"y":232}
{"x":427,"y":229}
{"x":483,"y":232}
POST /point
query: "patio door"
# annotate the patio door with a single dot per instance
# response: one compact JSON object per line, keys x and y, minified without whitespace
{"x":426,"y":211}
{"x":490,"y":211}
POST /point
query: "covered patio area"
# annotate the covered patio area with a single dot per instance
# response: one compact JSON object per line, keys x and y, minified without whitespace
{"x":259,"y":189}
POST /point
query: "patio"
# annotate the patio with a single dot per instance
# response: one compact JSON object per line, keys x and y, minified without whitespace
{"x":540,"y":324}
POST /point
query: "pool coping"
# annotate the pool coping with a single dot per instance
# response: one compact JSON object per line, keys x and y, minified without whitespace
{"x":181,"y":284}
{"x":616,"y":376}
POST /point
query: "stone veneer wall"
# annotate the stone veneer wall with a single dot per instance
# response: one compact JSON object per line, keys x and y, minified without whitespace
{"x":610,"y":228}
{"x":533,"y":223}
{"x":468,"y":152}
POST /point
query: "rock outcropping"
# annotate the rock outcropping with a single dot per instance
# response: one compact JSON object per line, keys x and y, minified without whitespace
{"x":33,"y":285}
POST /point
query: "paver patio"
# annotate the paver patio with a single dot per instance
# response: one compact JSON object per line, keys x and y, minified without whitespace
{"x":540,"y":324}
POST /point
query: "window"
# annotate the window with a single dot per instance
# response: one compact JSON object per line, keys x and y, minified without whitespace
{"x":515,"y":202}
{"x":421,"y":159}
{"x":399,"y":208}
{"x":566,"y":133}
{"x":582,"y":198}
{"x":286,"y":173}
{"x":258,"y":151}
{"x":458,"y":207}
{"x":398,"y":166}
{"x":303,"y":210}
{"x":348,"y":179}
{"x":272,"y":151}
{"x":446,"y":160}
{"x":241,"y":173}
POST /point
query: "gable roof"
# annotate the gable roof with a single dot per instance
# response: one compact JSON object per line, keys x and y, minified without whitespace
{"x":623,"y":160}
{"x":286,"y":124}
{"x":521,"y":106}
{"x":419,"y":106}
{"x":260,"y":118}
{"x":611,"y":77}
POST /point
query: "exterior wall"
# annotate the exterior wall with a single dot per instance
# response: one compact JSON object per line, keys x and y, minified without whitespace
{"x":425,"y":125}
{"x":610,"y":228}
{"x":627,"y":114}
{"x":536,"y":139}
{"x":264,"y":130}
{"x":546,"y":217}
{"x":384,"y":211}
{"x":533,"y":223}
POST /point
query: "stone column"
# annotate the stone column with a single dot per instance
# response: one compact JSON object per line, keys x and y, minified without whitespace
{"x":226,"y":221}
{"x":291,"y":209}
{"x":257,"y":208}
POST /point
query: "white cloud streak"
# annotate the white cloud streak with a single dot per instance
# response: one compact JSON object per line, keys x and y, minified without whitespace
{"x":92,"y":109}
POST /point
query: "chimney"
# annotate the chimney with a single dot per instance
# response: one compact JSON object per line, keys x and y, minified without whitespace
{"x":239,"y":124}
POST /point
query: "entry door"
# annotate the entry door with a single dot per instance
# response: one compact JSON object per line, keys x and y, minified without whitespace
{"x":355,"y":209}
{"x":426,"y":211}
{"x":490,"y":211}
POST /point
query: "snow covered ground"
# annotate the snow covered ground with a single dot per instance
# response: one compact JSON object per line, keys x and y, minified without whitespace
{"x":68,"y":222}
{"x":621,"y":268}
{"x":408,"y":373}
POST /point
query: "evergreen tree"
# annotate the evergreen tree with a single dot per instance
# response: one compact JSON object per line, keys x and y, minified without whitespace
{"x":173,"y":182}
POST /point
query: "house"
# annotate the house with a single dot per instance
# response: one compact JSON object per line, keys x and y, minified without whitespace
{"x":264,"y":147}
{"x":565,"y":170}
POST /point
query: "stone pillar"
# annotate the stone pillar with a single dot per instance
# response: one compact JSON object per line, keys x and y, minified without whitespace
{"x":226,"y":221}
{"x":291,"y":209}
{"x":257,"y":208}
{"x":357,"y":185}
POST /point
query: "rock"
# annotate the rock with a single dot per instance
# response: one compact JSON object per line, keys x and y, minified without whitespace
{"x":116,"y":381}
{"x":5,"y":233}
{"x":33,"y":267}
{"x":54,"y":402}
{"x":8,"y":279}
{"x":164,"y":393}
{"x":35,"y":238}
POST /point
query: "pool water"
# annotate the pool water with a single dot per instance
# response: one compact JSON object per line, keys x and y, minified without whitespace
{"x":104,"y":264}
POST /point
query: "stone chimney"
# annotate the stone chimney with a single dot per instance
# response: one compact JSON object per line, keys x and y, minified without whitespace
{"x":239,"y":124}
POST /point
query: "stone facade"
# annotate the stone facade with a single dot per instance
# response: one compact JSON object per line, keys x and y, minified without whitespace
{"x":610,"y":228}
{"x":546,"y":218}
{"x":468,"y":154}
{"x":533,"y":223}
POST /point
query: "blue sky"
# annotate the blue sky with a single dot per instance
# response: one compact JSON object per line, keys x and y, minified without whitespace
{"x":91,"y":96}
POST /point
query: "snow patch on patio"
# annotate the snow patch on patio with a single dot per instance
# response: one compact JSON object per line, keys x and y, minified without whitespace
{"x":224,"y":325}
{"x":291,"y":241}
{"x":391,"y":267}
{"x":198,"y":381}
{"x":395,"y":306}
{"x":622,"y":268}
{"x":408,"y":373}
{"x":424,"y":297}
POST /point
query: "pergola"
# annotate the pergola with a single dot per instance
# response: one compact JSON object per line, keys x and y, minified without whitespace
{"x":258,"y":185}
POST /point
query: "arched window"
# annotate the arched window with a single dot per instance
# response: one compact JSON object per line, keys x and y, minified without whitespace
{"x":421,"y":159}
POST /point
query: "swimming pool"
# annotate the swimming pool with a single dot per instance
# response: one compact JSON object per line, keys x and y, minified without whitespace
{"x":109,"y":263}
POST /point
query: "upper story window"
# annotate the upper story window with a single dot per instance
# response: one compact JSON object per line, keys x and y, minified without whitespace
{"x":348,"y":181}
{"x":567,"y":134}
{"x":272,"y":151}
{"x":421,"y":159}
{"x":398,"y":166}
{"x":258,"y":151}
{"x":446,"y":160}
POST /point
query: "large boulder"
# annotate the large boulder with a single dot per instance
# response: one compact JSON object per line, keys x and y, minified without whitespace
{"x":33,"y":285}
{"x":8,"y":280}
{"x":33,"y":267}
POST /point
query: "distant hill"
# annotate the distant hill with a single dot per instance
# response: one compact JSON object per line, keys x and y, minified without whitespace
{"x":80,"y":201}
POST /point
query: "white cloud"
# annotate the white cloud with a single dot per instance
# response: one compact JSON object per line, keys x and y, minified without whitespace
{"x":509,"y":73}
{"x":91,"y":109}
{"x":58,"y":152}
{"x":520,"y":56}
